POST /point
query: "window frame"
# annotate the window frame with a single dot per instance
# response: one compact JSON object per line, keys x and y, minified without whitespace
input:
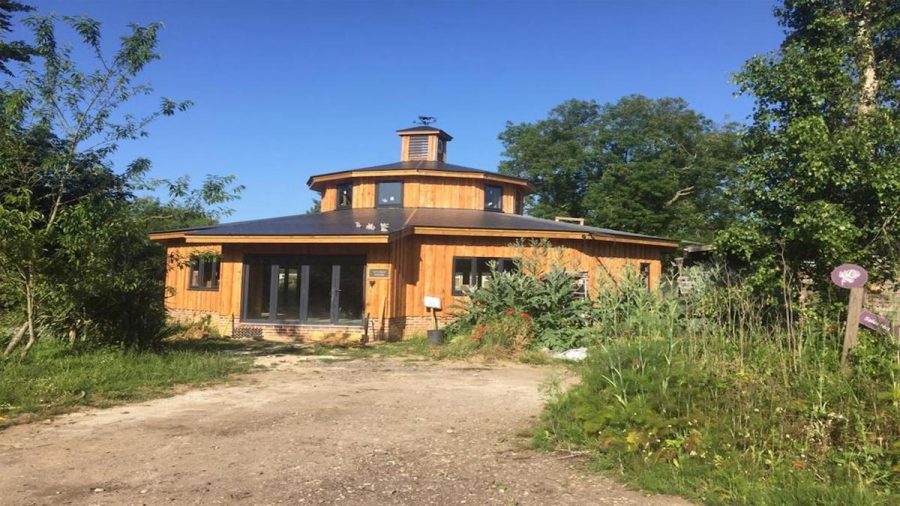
{"x":199,"y":262}
{"x":645,"y":269}
{"x":473,"y":271}
{"x":582,"y":284}
{"x":339,"y":188}
{"x":275,"y":262}
{"x":378,"y":193}
{"x":499,"y":207}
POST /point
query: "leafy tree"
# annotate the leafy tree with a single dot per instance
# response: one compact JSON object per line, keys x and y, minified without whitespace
{"x":75,"y":259}
{"x":821,"y":176}
{"x":642,"y":165}
{"x":559,"y":155}
{"x":15,"y":51}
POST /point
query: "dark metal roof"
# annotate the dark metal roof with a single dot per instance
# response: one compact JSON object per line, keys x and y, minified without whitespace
{"x":422,"y":165}
{"x":344,"y":222}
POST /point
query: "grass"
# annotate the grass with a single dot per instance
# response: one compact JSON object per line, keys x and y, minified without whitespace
{"x":54,"y":379}
{"x":702,"y":424}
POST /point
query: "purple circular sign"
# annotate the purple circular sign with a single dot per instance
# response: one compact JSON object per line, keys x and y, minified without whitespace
{"x":849,"y":276}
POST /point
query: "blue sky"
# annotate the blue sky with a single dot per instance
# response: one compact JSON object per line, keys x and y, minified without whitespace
{"x":284,"y":90}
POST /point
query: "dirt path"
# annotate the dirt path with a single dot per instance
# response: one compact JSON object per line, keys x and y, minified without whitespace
{"x":310,"y":432}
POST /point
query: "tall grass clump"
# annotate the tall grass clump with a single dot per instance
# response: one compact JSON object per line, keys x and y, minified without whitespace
{"x":717,"y":396}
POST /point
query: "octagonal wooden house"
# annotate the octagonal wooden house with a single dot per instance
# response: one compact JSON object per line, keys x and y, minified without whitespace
{"x":386,"y":237}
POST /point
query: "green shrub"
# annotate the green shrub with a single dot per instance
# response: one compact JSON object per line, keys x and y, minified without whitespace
{"x":541,"y":289}
{"x":713,"y":396}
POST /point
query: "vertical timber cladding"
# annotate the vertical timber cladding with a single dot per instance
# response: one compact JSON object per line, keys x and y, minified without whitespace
{"x":377,"y":291}
{"x":443,"y":193}
{"x":424,"y":191}
{"x":178,"y":296}
{"x":423,"y":264}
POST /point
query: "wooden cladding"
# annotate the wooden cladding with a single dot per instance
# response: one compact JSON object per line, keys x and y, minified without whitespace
{"x":409,"y":269}
{"x":423,"y":265}
{"x":427,"y":191}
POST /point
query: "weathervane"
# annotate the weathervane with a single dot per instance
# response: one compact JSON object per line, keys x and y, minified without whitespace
{"x":425,"y":120}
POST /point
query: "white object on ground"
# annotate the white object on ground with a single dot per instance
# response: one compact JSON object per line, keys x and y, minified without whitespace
{"x":575,"y":354}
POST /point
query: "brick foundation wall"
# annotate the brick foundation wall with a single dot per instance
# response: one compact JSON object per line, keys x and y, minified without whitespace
{"x":388,"y":329}
{"x":395,"y":329}
{"x":191,"y":316}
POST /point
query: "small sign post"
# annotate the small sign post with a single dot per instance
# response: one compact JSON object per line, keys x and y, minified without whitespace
{"x":853,"y":277}
{"x":434,"y":305}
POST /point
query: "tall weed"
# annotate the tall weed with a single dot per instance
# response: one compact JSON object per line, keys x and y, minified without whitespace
{"x":716,"y":396}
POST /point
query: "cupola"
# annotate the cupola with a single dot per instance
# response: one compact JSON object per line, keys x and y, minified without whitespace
{"x":423,"y":143}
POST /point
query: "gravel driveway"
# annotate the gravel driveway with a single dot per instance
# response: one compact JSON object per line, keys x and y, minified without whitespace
{"x":311,"y":432}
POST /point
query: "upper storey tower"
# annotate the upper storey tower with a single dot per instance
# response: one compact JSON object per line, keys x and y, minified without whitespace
{"x":424,"y":143}
{"x":422,"y":178}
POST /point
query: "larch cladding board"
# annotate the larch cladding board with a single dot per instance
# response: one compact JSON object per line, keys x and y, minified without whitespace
{"x":425,"y":191}
{"x":443,"y":193}
{"x":423,"y":264}
{"x":329,"y":199}
{"x":178,"y":295}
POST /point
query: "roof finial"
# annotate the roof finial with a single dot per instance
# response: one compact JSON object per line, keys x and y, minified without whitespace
{"x":425,"y":120}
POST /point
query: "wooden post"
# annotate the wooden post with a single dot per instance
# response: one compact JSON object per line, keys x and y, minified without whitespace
{"x":854,"y":309}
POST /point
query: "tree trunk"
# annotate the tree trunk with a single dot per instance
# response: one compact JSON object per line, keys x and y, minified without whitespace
{"x":29,"y":316}
{"x":15,"y":340}
{"x":869,"y":84}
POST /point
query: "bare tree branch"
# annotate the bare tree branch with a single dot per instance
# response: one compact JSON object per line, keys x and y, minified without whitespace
{"x":684,"y":192}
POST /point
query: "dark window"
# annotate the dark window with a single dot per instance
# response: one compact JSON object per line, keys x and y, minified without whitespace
{"x":345,"y":196}
{"x":204,"y":274}
{"x":645,"y":273}
{"x":581,"y":284}
{"x":389,"y":194}
{"x":519,"y":199}
{"x":470,"y":273}
{"x":493,"y":198}
{"x":442,"y":150}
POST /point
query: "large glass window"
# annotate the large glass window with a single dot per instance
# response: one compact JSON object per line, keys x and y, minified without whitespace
{"x":288,"y":291}
{"x":320,"y":293}
{"x":204,"y":272}
{"x":470,"y":273}
{"x":345,"y":196}
{"x":258,"y":290}
{"x":351,"y":296}
{"x":389,"y":194}
{"x":311,"y":289}
{"x":493,"y":198}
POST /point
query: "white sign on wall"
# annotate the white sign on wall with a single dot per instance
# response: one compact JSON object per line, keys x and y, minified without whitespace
{"x":432,"y":302}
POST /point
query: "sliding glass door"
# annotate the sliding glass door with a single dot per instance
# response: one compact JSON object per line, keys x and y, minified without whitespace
{"x":308,"y":289}
{"x":320,"y":287}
